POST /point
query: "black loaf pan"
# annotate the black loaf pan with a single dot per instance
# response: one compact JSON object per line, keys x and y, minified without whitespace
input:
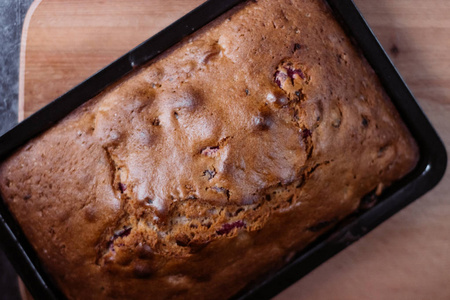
{"x":429,"y":171}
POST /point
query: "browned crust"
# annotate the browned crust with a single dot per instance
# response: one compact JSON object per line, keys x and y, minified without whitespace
{"x":213,"y":164}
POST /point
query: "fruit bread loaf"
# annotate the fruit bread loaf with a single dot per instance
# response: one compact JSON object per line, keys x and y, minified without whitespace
{"x":212,"y":165}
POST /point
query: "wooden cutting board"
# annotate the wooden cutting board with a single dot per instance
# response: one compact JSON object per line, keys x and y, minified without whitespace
{"x":407,"y":257}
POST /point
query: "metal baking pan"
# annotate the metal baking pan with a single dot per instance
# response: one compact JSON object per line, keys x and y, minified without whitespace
{"x":429,"y":171}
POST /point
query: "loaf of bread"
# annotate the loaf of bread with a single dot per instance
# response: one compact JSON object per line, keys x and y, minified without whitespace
{"x":214,"y":164}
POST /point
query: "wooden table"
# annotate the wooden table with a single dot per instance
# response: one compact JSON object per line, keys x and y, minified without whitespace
{"x":408,"y":256}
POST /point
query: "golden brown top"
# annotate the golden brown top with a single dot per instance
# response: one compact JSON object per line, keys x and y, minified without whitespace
{"x":187,"y":149}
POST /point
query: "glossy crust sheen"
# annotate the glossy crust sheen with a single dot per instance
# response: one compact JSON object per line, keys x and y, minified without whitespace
{"x":214,"y":164}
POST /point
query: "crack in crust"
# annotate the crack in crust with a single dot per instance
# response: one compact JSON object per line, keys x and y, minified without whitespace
{"x":191,"y":223}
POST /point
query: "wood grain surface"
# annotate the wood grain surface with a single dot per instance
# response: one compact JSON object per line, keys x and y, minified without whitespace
{"x":408,"y":256}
